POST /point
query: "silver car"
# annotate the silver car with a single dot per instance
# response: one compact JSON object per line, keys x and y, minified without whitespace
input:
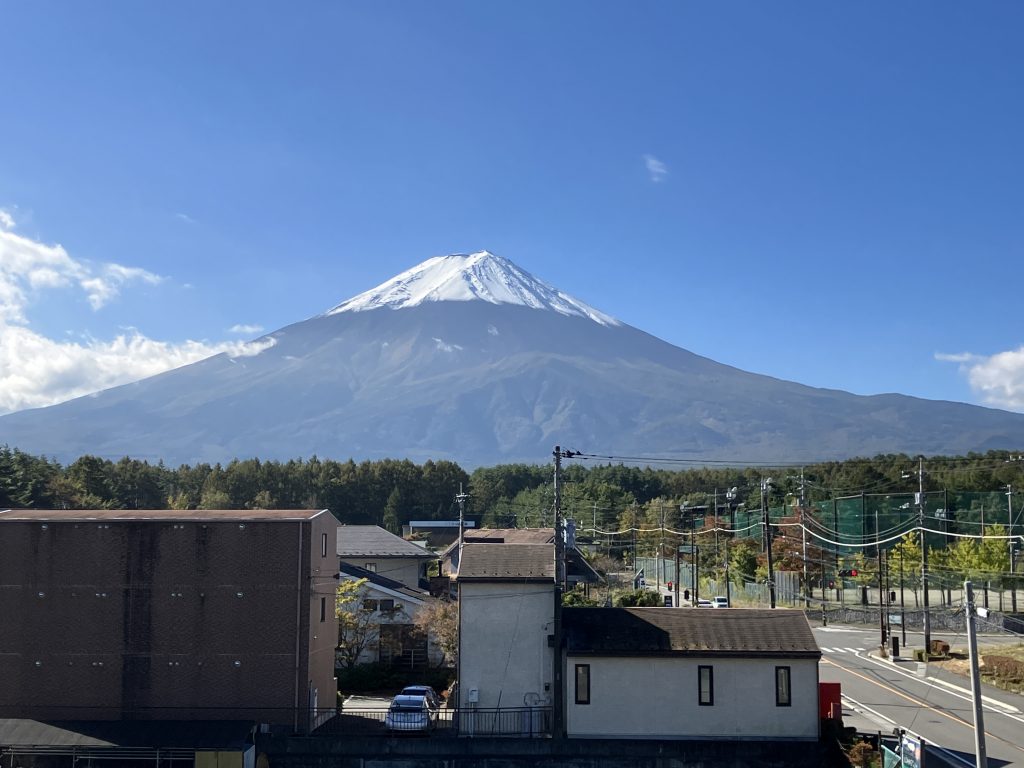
{"x":410,"y":714}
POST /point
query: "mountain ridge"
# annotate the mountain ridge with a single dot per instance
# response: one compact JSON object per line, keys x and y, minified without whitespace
{"x":483,"y":382}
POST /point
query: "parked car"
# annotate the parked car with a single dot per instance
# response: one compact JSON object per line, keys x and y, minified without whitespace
{"x":425,"y":691}
{"x":720,"y":602}
{"x":702,"y":603}
{"x":410,"y":714}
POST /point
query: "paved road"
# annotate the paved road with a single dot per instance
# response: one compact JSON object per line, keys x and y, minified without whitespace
{"x":937,"y":706}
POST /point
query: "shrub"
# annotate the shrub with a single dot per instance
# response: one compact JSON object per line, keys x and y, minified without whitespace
{"x":1004,"y":668}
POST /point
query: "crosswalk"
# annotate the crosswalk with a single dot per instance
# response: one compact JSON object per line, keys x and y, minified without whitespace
{"x":854,"y":651}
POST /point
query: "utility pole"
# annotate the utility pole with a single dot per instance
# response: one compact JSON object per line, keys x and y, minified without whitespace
{"x":557,"y":685}
{"x":924,"y":558}
{"x":661,"y":545}
{"x":1013,"y":550}
{"x":695,"y":569}
{"x":803,"y":542}
{"x":981,"y":759}
{"x":881,"y":586}
{"x":765,"y":485}
{"x":730,"y":498}
{"x":461,"y":497}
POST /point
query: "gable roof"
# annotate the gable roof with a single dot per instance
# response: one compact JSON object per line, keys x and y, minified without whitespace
{"x":512,"y":562}
{"x":688,"y":631}
{"x":374,"y":541}
{"x":502,"y":536}
{"x":193,"y":515}
{"x":384,"y":582}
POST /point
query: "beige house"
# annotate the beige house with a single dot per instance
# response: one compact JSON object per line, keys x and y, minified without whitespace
{"x":506,"y":615}
{"x":377,"y":550}
{"x":389,"y":608}
{"x":666,"y":673}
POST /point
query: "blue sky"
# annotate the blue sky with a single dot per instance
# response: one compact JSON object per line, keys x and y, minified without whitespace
{"x":825,"y":192}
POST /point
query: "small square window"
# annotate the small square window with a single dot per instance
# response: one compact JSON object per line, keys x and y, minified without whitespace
{"x":369,"y":605}
{"x":705,"y":686}
{"x":582,"y":683}
{"x":323,"y":609}
{"x":371,"y":567}
{"x":387,"y":605}
{"x":783,"y":694}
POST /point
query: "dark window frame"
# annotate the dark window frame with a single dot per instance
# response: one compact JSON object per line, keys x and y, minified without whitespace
{"x":711,"y":685}
{"x":323,"y":609}
{"x":387,"y":605}
{"x":369,"y":604}
{"x":780,"y":700}
{"x":323,"y":545}
{"x":582,"y":692}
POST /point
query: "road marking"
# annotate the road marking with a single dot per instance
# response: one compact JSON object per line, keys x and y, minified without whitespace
{"x":925,"y":705}
{"x":994,"y":705}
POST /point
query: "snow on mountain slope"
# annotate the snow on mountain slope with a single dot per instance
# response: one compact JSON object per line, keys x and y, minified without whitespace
{"x":466,"y":277}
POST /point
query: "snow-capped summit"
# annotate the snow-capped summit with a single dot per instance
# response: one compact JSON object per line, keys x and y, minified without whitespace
{"x":467,"y":277}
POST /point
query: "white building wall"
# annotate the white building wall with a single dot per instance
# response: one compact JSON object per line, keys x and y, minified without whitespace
{"x":402,"y":569}
{"x":504,"y":653}
{"x":658,"y":698}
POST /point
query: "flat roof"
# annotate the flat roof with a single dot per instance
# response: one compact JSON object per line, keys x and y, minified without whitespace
{"x":125,"y":515}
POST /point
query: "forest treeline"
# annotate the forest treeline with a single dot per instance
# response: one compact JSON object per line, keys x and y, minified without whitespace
{"x":390,"y":492}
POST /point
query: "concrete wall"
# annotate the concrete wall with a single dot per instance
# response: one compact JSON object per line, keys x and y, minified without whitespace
{"x":504,"y":652}
{"x":355,"y":752}
{"x":658,"y":698}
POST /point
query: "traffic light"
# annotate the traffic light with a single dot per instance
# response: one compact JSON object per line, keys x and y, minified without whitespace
{"x":851,"y":572}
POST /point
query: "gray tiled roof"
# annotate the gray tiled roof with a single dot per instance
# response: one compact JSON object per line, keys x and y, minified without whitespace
{"x":688,"y":631}
{"x":511,"y":562}
{"x":383,"y":581}
{"x":374,"y":541}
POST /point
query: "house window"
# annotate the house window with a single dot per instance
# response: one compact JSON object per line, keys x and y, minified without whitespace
{"x":705,"y":686}
{"x":387,"y":605}
{"x":323,"y":545}
{"x":783,"y":694}
{"x":369,"y":605}
{"x":582,"y":683}
{"x":371,"y":567}
{"x":323,"y":609}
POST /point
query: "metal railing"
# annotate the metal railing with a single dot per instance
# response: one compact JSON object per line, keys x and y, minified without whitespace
{"x":520,"y":722}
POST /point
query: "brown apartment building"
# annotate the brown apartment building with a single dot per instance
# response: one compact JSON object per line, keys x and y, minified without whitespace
{"x":168,"y":615}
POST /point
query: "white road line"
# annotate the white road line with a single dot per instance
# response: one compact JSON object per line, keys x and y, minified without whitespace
{"x":993,"y":705}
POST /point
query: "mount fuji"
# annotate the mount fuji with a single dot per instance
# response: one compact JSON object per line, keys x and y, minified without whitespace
{"x":470,"y":358}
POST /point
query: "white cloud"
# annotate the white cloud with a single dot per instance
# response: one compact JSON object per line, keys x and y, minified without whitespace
{"x":997,"y":379}
{"x":6,"y":220}
{"x":35,"y":370}
{"x":27,"y":265}
{"x":184,"y":217}
{"x":245,"y":328}
{"x":657,"y":169}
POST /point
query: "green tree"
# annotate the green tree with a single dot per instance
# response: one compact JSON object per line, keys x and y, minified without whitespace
{"x":357,"y":624}
{"x":393,"y":511}
{"x":905,"y":563}
{"x":439,"y":620}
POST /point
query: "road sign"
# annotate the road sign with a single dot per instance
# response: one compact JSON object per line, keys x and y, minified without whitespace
{"x":686,"y":549}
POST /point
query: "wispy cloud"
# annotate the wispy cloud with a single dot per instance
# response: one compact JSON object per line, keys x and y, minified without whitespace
{"x":998,"y":380}
{"x":184,"y":217}
{"x":655,"y":168}
{"x":244,"y":328}
{"x":37,"y":371}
